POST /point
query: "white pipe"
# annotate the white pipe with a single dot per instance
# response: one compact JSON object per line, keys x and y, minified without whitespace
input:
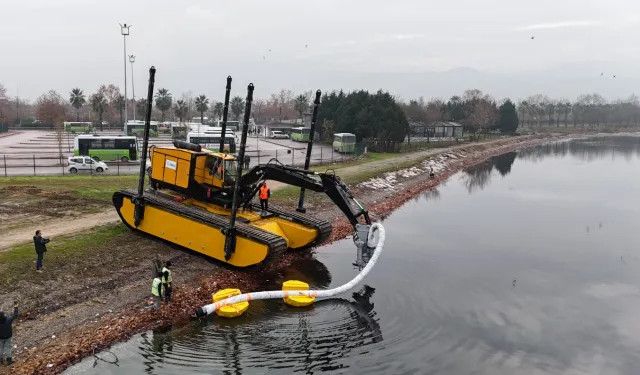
{"x":277,"y":294}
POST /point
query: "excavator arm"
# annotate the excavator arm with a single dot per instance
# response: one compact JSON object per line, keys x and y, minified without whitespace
{"x":329,"y":184}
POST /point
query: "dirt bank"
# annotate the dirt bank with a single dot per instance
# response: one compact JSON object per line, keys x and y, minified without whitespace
{"x":64,"y":330}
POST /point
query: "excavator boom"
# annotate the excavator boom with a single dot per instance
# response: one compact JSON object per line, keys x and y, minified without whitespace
{"x":329,"y":184}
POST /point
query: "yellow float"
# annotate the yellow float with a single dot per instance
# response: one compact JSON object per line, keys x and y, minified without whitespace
{"x":297,"y":301}
{"x":233,"y":310}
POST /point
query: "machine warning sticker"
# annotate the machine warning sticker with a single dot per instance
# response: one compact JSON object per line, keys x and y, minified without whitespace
{"x":170,"y":164}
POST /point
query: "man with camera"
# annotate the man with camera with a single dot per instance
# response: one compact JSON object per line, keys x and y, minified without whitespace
{"x":41,"y":248}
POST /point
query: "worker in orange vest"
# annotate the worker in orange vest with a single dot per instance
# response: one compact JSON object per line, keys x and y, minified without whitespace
{"x":265,"y":194}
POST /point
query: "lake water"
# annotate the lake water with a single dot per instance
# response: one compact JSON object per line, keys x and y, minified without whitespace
{"x":526,"y":264}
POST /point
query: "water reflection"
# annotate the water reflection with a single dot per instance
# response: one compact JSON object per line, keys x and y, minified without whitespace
{"x":508,"y":283}
{"x":478,"y":176}
{"x":319,"y":337}
{"x":586,"y":149}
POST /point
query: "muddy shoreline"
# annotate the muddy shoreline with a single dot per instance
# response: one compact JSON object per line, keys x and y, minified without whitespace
{"x":54,"y":356}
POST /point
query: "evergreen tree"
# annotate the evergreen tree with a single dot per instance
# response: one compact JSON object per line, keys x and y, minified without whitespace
{"x":508,"y":117}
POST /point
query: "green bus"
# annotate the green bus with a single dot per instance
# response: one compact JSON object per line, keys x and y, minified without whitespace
{"x":123,"y":148}
{"x":300,"y":134}
{"x":137,"y":128}
{"x":78,"y":127}
{"x":344,"y":142}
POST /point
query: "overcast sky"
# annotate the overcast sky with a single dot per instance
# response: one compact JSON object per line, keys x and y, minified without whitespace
{"x":194,"y":44}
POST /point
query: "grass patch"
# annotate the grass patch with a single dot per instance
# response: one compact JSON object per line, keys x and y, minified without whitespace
{"x":17,"y":263}
{"x":91,"y":187}
{"x":362,"y":159}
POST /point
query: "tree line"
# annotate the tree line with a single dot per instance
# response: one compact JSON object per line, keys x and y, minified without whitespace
{"x":368,"y":115}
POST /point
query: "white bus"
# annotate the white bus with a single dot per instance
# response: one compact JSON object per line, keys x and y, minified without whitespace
{"x":233,"y":125}
{"x":211,"y":141}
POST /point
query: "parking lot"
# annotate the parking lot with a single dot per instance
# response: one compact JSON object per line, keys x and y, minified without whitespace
{"x":35,"y":152}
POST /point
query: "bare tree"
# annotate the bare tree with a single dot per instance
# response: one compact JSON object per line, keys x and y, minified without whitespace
{"x":435,"y":110}
{"x":4,"y":103}
{"x":51,"y":108}
{"x":256,"y":108}
{"x":187,"y":98}
{"x":548,"y":108}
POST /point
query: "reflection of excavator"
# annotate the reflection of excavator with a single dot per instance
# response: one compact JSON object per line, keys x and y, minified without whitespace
{"x":201,"y":200}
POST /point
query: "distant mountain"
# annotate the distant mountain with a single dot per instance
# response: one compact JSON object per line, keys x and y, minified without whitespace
{"x":562,"y":80}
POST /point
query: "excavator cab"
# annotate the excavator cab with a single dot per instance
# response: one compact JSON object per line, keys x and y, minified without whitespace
{"x":220,"y":171}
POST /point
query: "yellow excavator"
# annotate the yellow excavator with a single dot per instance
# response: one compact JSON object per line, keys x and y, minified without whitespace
{"x":201,"y":200}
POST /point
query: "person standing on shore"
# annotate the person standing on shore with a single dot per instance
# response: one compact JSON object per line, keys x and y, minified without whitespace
{"x":156,"y":290}
{"x":41,"y":248}
{"x":6,"y":333}
{"x":166,"y":281}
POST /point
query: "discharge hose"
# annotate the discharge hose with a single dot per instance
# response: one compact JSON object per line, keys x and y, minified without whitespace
{"x":276,"y":294}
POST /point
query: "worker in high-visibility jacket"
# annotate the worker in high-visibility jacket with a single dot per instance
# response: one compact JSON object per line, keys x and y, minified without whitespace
{"x":265,"y":194}
{"x":156,"y":290}
{"x":166,"y":281}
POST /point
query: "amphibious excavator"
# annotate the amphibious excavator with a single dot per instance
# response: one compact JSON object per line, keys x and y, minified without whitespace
{"x":201,"y":200}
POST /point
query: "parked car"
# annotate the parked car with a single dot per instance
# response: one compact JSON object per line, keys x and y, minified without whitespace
{"x":278,"y":134}
{"x":86,"y":164}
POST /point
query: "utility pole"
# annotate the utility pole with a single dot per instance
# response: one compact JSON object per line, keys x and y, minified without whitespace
{"x":124,"y":30}
{"x":132,"y":59}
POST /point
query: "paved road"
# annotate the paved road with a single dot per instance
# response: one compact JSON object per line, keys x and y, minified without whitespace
{"x":19,"y":153}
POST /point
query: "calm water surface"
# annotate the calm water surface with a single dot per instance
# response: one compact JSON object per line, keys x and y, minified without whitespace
{"x":526,"y":264}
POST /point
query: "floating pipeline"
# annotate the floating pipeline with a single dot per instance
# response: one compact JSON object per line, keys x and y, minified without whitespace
{"x":54,"y":357}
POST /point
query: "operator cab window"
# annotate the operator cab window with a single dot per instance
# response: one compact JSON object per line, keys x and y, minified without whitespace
{"x":212,"y":164}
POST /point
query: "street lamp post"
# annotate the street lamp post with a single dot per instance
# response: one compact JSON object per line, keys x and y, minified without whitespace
{"x":132,"y":59}
{"x":124,"y":30}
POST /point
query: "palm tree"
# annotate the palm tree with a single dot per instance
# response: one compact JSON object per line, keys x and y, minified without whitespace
{"x":300,"y":104}
{"x":218,"y":109}
{"x":202,"y":104}
{"x":77,"y":100}
{"x":237,"y":106}
{"x":180,"y":109}
{"x":99,"y":105}
{"x":141,"y":107}
{"x":163,"y":101}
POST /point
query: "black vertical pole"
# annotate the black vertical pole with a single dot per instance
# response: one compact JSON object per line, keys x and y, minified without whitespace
{"x":230,"y":240}
{"x":307,"y":160}
{"x":138,"y":214}
{"x":225,"y":112}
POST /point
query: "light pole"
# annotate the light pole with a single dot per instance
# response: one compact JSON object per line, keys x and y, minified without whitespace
{"x":132,"y":59}
{"x":124,"y":30}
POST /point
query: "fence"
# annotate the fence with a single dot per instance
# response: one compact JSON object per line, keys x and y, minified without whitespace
{"x":55,"y":164}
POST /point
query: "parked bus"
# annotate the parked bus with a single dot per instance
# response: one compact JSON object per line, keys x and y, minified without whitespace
{"x":137,"y":128}
{"x":212,"y":141}
{"x":179,"y":131}
{"x":300,"y":134}
{"x":344,"y":142}
{"x":78,"y":127}
{"x":231,"y":125}
{"x":122,"y":148}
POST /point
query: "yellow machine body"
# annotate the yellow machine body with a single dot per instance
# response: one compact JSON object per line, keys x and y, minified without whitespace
{"x":177,"y":211}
